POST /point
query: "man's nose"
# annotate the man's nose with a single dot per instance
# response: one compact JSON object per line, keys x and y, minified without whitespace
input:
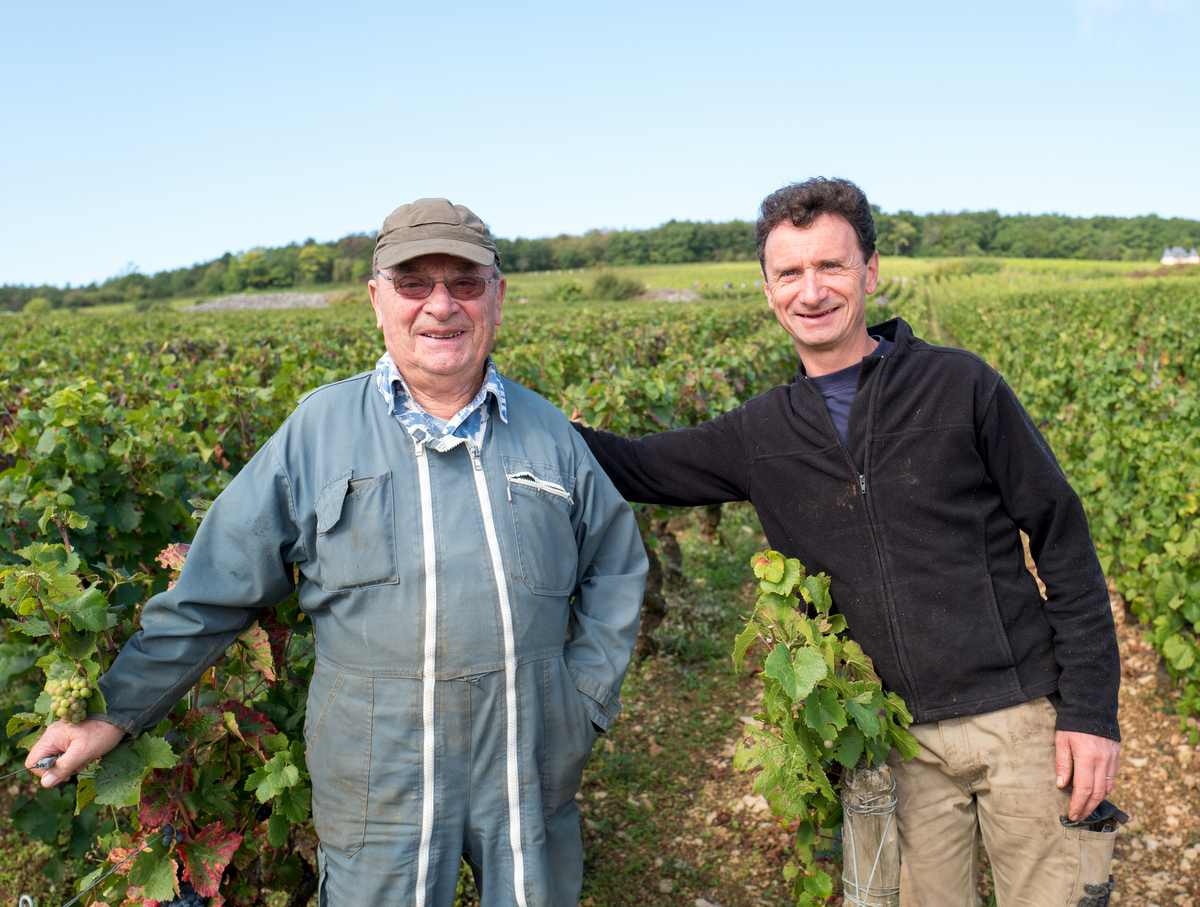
{"x":440,"y":302}
{"x":811,"y":290}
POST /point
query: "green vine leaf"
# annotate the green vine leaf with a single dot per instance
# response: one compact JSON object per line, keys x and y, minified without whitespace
{"x":85,"y":793}
{"x":824,"y":713}
{"x":154,"y":872}
{"x":278,"y":827}
{"x":797,"y":673}
{"x":816,"y":589}
{"x":294,"y":802}
{"x":866,"y":714}
{"x":743,"y":642}
{"x":272,"y":778}
{"x":792,"y":574}
{"x":22,"y":721}
{"x":87,"y":611}
{"x":905,"y":742}
{"x":769,"y":566}
{"x":899,"y":710}
{"x":857,"y":660}
{"x":819,"y":885}
{"x":850,"y":747}
{"x":118,"y":781}
{"x":155,"y":752}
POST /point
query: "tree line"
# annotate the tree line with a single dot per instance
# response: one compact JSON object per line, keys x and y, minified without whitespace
{"x":295,"y":265}
{"x":998,"y":235}
{"x":966,"y":233}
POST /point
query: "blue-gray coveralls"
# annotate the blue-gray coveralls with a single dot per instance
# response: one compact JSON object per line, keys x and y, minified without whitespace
{"x":446,"y":716}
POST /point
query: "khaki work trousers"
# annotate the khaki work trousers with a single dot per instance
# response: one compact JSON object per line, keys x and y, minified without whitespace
{"x":992,"y":774}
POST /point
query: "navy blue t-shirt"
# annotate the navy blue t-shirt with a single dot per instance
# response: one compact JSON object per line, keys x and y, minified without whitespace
{"x":837,"y":388}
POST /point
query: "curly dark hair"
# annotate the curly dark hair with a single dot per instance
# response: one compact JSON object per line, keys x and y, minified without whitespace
{"x":802,"y":203}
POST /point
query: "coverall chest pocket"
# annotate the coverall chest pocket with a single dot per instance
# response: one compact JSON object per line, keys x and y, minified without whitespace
{"x":356,"y":532}
{"x":541,"y":500}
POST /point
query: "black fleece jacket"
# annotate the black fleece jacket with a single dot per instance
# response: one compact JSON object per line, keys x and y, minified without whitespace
{"x":916,"y":518}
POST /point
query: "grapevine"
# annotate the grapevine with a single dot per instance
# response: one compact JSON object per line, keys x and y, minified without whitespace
{"x":224,"y":772}
{"x":824,"y":709}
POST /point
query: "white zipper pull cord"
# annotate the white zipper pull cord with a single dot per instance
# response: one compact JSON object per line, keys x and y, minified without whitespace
{"x":529,"y":480}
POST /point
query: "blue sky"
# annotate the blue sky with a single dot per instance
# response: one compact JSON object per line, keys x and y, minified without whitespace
{"x":158,"y":135}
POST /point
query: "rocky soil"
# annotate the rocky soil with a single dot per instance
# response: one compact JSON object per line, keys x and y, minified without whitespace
{"x":248,"y":301}
{"x":1158,"y":852}
{"x":671,"y":294}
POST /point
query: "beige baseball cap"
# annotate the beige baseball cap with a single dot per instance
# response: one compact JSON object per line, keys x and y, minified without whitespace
{"x":432,"y":225}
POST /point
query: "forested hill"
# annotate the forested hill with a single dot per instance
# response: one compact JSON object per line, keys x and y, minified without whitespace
{"x":675,"y":242}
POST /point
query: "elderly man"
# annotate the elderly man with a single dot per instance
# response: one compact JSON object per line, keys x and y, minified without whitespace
{"x":907,"y":472}
{"x":451,"y":531}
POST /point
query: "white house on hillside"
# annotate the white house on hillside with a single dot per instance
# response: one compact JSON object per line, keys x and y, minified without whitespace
{"x":1176,"y":256}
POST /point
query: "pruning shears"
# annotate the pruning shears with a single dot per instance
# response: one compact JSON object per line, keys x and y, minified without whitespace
{"x":43,"y":763}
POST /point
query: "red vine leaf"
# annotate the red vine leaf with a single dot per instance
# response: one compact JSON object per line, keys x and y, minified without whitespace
{"x":200,"y":726}
{"x":205,"y":857}
{"x":247,"y":725}
{"x":119,"y":855}
{"x":260,"y":656}
{"x":172,"y":557}
{"x":135,"y":896}
{"x":155,"y":808}
{"x":277,"y":633}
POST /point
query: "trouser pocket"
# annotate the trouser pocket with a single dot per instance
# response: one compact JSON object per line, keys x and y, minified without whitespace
{"x":566,"y":739}
{"x":1088,"y":857}
{"x":339,"y":757}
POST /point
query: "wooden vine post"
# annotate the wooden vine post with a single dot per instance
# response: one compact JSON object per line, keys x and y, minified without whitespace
{"x":870,"y":842}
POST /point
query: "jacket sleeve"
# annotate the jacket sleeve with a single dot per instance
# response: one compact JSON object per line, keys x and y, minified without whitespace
{"x":238,"y":563}
{"x":611,"y":578}
{"x":687,"y":467}
{"x":1038,"y":497}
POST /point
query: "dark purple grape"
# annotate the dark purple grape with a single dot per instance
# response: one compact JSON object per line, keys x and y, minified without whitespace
{"x":187,"y":897}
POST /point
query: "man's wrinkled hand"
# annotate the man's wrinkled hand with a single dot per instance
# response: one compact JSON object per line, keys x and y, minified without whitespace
{"x":1090,"y":764}
{"x":76,"y":745}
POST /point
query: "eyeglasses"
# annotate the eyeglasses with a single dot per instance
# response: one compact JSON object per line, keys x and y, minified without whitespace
{"x":419,"y":286}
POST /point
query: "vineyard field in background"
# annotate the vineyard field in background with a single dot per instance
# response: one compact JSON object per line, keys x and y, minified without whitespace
{"x":125,"y":417}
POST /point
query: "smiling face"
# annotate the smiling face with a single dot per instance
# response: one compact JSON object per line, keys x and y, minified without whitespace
{"x":817,"y":283}
{"x":439,"y":343}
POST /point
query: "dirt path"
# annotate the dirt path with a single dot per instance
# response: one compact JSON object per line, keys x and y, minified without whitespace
{"x":1158,"y":852}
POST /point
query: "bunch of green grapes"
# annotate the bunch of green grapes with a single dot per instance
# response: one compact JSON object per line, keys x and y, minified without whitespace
{"x":68,"y":699}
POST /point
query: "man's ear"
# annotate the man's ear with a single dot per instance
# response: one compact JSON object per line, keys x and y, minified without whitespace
{"x":373,"y":290}
{"x":766,"y":290}
{"x":872,"y":272}
{"x":500,"y":291}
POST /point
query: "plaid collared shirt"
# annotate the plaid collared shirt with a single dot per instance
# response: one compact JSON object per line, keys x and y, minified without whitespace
{"x":469,"y":423}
